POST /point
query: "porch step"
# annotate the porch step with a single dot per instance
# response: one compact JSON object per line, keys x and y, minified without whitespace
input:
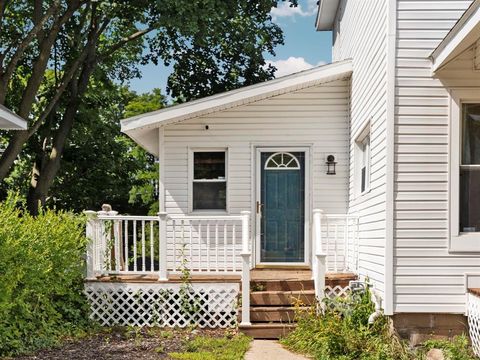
{"x":281,"y":285}
{"x":267,"y":331}
{"x":269,"y":314}
{"x":281,"y":298}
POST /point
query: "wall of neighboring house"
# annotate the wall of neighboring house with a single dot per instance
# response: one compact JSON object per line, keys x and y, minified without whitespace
{"x":360,"y":33}
{"x":427,"y":278}
{"x":316,"y":116}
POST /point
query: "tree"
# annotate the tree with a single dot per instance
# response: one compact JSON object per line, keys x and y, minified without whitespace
{"x":214,"y":45}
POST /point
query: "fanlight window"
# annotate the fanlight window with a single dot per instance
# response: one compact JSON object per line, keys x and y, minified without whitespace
{"x":282,"y":161}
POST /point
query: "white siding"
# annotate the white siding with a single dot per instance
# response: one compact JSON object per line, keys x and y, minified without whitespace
{"x":427,"y":278}
{"x":315,"y":117}
{"x":360,"y":33}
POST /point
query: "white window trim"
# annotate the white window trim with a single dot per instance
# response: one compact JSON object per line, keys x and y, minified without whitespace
{"x":358,"y":157}
{"x":191,"y":151}
{"x":459,"y":242}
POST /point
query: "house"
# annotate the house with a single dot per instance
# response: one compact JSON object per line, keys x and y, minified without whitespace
{"x":364,"y":167}
{"x":11,"y":121}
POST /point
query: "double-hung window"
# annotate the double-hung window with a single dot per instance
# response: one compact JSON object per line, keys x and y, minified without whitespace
{"x":464,"y":196}
{"x":209,"y":180}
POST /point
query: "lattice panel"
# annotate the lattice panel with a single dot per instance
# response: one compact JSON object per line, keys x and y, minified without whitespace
{"x":335,"y":291}
{"x":163,"y":305}
{"x":474,"y":322}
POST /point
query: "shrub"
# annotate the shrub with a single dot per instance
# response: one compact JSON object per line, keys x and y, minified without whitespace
{"x":342,"y":332}
{"x":41,"y":270}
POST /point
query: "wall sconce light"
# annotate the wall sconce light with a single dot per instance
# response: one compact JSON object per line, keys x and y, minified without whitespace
{"x":331,"y":165}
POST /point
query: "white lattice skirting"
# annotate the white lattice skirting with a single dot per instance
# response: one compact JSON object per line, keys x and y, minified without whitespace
{"x":207,"y":305}
{"x":474,"y":322}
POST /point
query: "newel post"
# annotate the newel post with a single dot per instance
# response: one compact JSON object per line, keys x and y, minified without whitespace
{"x":162,"y":246}
{"x":319,"y":260}
{"x":91,"y":232}
{"x":246,"y":255}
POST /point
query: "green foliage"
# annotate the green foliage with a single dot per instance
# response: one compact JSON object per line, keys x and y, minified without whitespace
{"x":342,"y":332}
{"x":456,"y":349}
{"x":41,"y":271}
{"x":210,"y":348}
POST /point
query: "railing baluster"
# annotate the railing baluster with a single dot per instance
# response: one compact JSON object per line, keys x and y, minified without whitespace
{"x":225,"y":245}
{"x":328,"y":245}
{"x":125,"y":265}
{"x":200,"y":255}
{"x":190,"y":242}
{"x":216,"y":246}
{"x":234,"y":253}
{"x":208,"y":246}
{"x":143,"y":245}
{"x":183,"y":252}
{"x":116,"y":239}
{"x":174,"y":222}
{"x":346,"y":237}
{"x":152,"y":268}
{"x":335,"y":247}
{"x":134,"y":245}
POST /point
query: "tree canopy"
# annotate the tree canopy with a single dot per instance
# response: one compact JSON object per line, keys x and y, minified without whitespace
{"x":57,"y":56}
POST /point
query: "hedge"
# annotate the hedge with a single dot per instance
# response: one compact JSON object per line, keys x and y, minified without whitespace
{"x":41,"y":270}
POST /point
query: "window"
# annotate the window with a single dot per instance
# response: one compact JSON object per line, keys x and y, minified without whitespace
{"x":464,"y":160}
{"x":362,"y":161}
{"x":282,"y":161}
{"x":209,"y":182}
{"x":470,"y":169}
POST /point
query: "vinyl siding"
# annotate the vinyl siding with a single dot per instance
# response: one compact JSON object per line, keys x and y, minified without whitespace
{"x":360,"y":33}
{"x":427,"y":278}
{"x":315,"y":117}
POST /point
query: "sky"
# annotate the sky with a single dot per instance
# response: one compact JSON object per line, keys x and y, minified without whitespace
{"x":304,"y":46}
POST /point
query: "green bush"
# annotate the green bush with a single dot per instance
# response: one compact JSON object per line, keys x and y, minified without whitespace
{"x":342,"y":332}
{"x":41,"y":270}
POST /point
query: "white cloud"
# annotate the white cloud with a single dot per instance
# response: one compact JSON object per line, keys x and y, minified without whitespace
{"x":291,"y":65}
{"x":305,"y":8}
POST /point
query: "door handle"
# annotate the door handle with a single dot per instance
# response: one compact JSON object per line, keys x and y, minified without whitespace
{"x":259,"y":207}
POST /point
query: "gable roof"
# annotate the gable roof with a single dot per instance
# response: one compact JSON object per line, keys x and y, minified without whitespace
{"x":142,"y":128}
{"x":327,"y":10}
{"x":10,"y":120}
{"x":464,"y":34}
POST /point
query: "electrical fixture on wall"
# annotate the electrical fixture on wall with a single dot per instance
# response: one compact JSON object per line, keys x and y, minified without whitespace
{"x":331,"y":163}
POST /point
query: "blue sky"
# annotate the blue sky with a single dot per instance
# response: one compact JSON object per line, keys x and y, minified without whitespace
{"x":304,"y":46}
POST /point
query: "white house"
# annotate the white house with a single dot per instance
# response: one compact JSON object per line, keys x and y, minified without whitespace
{"x":11,"y":121}
{"x":365,"y":167}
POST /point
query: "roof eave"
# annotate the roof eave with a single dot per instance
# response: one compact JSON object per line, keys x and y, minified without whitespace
{"x":327,"y":11}
{"x":10,"y":120}
{"x":460,"y":37}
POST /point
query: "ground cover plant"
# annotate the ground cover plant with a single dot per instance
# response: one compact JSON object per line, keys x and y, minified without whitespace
{"x":41,"y":271}
{"x":149,"y":343}
{"x":342,"y":332}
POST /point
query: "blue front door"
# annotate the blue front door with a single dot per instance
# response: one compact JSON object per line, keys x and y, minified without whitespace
{"x":282,"y":207}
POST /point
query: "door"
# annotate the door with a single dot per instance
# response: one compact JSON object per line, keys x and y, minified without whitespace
{"x":282,"y":207}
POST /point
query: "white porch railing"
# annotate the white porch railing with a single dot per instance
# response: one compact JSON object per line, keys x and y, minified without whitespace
{"x":335,"y":246}
{"x":164,"y":244}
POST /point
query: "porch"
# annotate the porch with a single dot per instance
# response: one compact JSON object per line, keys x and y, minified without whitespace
{"x":135,"y":263}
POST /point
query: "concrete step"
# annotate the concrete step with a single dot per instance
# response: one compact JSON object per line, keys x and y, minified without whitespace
{"x":269,"y":314}
{"x":266,"y":331}
{"x":281,"y":298}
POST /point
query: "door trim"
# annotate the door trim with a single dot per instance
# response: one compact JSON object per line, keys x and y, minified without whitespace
{"x":307,"y":204}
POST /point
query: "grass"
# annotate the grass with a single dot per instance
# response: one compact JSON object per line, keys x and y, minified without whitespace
{"x":210,"y":348}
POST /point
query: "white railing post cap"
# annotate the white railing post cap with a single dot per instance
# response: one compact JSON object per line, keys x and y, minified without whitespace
{"x":162,"y":214}
{"x":245,"y":212}
{"x":318,"y":211}
{"x":90,"y":213}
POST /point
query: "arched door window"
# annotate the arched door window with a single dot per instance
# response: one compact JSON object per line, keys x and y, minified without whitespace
{"x":282,"y":161}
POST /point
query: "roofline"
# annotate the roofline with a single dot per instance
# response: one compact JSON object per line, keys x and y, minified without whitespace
{"x":326,"y":13}
{"x":16,"y":122}
{"x":450,"y":45}
{"x":241,"y":96}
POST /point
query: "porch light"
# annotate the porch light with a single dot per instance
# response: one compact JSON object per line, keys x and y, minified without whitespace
{"x":331,"y":165}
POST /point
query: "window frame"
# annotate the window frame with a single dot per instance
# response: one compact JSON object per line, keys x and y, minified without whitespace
{"x":359,"y":158}
{"x":458,"y":241}
{"x":191,"y":180}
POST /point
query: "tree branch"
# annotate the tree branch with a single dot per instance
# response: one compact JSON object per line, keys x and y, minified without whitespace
{"x":124,"y":41}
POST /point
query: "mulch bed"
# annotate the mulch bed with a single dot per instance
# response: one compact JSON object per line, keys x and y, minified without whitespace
{"x":123,"y":343}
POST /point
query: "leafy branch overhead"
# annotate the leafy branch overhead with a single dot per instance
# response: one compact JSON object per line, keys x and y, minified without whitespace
{"x":50,"y":50}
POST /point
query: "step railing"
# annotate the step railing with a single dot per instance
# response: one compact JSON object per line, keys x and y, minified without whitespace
{"x":335,"y":246}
